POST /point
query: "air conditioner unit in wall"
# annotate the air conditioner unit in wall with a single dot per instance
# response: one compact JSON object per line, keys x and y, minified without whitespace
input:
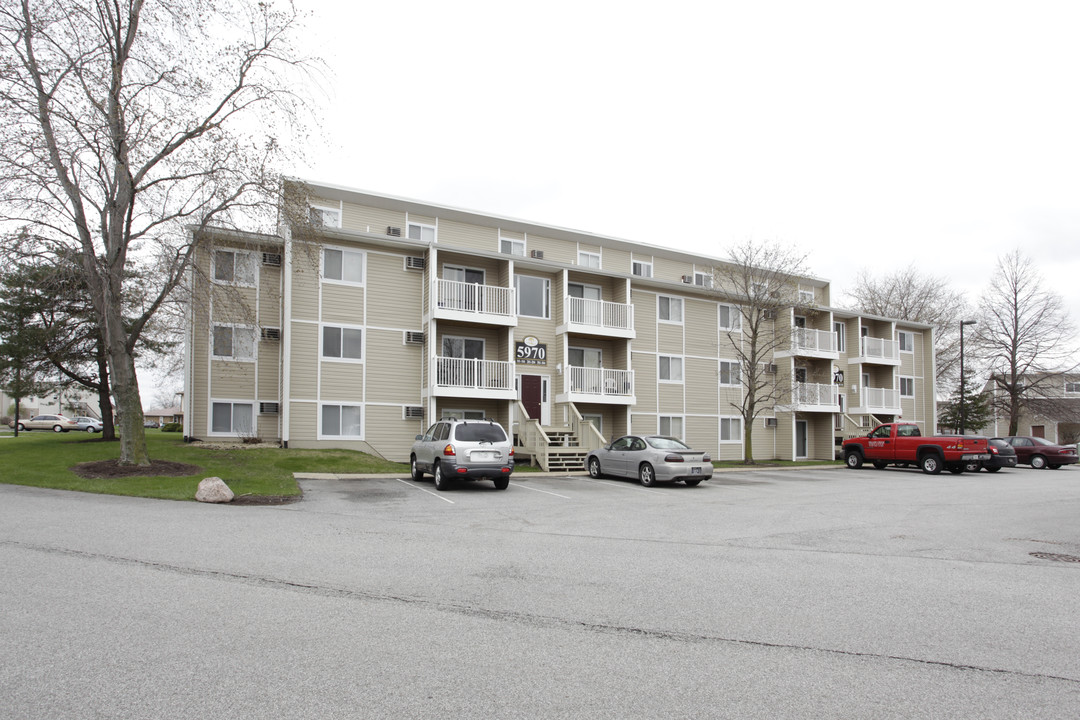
{"x":769,"y":368}
{"x":536,"y":254}
{"x":769,"y":314}
{"x":412,"y":412}
{"x":414,"y":338}
{"x":269,"y":408}
{"x":393,"y":231}
{"x":414,"y":263}
{"x":770,"y":422}
{"x":688,"y":279}
{"x":273,"y":259}
{"x":271,"y":333}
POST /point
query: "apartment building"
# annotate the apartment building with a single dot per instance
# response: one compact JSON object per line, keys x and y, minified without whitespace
{"x":1052,"y":410}
{"x":359,"y":328}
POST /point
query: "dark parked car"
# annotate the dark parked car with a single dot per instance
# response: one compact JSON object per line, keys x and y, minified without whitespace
{"x":1040,"y":453}
{"x":1001,"y":455}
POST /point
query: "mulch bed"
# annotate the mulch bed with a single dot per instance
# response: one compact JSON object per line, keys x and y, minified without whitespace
{"x":107,"y":469}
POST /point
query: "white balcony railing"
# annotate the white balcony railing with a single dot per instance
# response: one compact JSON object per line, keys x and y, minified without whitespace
{"x":599,"y":313}
{"x":474,"y":374}
{"x":881,"y":398}
{"x":817,"y":394}
{"x":807,"y":339}
{"x":600,"y":381}
{"x":873,"y":348}
{"x":475,"y":298}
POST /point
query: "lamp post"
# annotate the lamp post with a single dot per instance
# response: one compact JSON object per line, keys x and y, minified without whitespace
{"x":963,"y":410}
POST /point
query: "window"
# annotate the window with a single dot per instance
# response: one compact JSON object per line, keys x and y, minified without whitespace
{"x":533,"y":296}
{"x":423,"y":233}
{"x":585,"y":357}
{"x":907,"y":387}
{"x":840,"y":329}
{"x":1072,"y":388}
{"x":730,"y":373}
{"x":672,"y":426}
{"x":641,"y":269}
{"x":730,"y":318}
{"x":703,"y":279}
{"x":511,"y":246}
{"x":671,"y":369}
{"x":463,"y":347}
{"x":236,"y":343}
{"x":343,"y":265}
{"x":730,"y":429}
{"x":588,"y":259}
{"x":322,"y":216}
{"x":597,"y":421}
{"x":462,"y":414}
{"x":907,"y":342}
{"x":232,"y":417}
{"x":234,"y":266}
{"x":800,"y":321}
{"x":806,"y":297}
{"x":800,"y":374}
{"x":342,"y":343}
{"x":671,"y":309}
{"x":341,"y":421}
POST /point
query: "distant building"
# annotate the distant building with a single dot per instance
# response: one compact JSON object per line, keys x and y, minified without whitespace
{"x":72,"y":402}
{"x":1053,"y":412}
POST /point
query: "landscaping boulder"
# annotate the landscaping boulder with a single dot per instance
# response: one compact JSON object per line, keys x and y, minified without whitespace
{"x":214,"y":490}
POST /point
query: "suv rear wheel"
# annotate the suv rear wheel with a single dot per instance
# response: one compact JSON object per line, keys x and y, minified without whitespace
{"x":502,"y":483}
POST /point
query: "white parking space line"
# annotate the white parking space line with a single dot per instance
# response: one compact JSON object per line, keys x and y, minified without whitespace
{"x":405,"y":482}
{"x":620,"y":485}
{"x":546,"y":492}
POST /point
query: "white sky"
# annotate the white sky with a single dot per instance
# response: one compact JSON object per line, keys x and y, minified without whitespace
{"x":868,"y":134}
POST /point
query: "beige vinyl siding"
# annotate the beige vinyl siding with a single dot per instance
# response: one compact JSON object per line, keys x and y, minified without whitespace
{"x":393,"y":369}
{"x":701,"y":433}
{"x":785,"y":436}
{"x":764,"y":441}
{"x":645,"y":381}
{"x":671,"y":270}
{"x":420,"y":220}
{"x":341,"y":382}
{"x":701,"y":327}
{"x":542,"y":330}
{"x":304,"y":350}
{"x":644,"y":320}
{"x":670,"y":339}
{"x":554,"y":250}
{"x":269,"y":369}
{"x":819,"y":435}
{"x":467,"y":236}
{"x":303,"y":423}
{"x":643,"y":423}
{"x":702,"y":393}
{"x":670,"y":398}
{"x":232,"y":379}
{"x":385,"y":429}
{"x":267,"y":426}
{"x":342,"y":304}
{"x":362,"y":218}
{"x":615,"y":260}
{"x":305,"y":289}
{"x":270,"y":295}
{"x":233,"y":304}
{"x":498,"y":410}
{"x":394,"y":294}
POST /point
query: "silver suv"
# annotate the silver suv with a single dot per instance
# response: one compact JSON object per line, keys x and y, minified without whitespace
{"x":466,"y":449}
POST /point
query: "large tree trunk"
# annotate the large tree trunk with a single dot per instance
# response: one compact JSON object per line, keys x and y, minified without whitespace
{"x":108,"y":420}
{"x":125,"y":386}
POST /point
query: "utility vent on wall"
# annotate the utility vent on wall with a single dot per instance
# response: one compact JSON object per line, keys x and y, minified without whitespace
{"x":271,"y":333}
{"x":536,"y":254}
{"x":414,"y":338}
{"x":412,"y":412}
{"x":268,"y":408}
{"x":770,"y":422}
{"x":272,"y":259}
{"x":769,"y":314}
{"x":688,"y":279}
{"x":769,"y":368}
{"x":414,"y":263}
{"x":393,"y":231}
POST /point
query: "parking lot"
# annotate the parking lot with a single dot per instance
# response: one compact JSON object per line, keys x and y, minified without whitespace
{"x":805,"y":593}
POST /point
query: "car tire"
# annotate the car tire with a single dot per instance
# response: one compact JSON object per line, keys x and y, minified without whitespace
{"x":22,"y":428}
{"x":853,"y":460}
{"x":956,"y":470}
{"x":930,"y":464}
{"x":414,"y":471}
{"x":1053,"y":467}
{"x":57,"y":429}
{"x":441,"y":481}
{"x":647,"y":475}
{"x":90,"y":430}
{"x":880,"y":464}
{"x":992,"y":469}
{"x":502,"y":483}
{"x":594,"y":468}
{"x":1038,"y":462}
{"x":692,"y":483}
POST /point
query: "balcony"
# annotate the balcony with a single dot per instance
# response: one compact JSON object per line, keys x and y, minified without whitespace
{"x":475,"y":303}
{"x":473,"y":378}
{"x":597,"y":385}
{"x":807,"y":342}
{"x":815,"y":397}
{"x":877,"y":351}
{"x":878,"y":400}
{"x":597,"y":317}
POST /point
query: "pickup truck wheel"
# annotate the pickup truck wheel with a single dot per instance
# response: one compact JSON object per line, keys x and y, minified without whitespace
{"x":992,"y":469}
{"x":956,"y":470}
{"x":1038,"y":462}
{"x":880,"y":464}
{"x":853,"y":460}
{"x":930,"y":464}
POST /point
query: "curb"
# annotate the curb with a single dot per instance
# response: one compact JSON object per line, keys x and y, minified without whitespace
{"x":519,"y":476}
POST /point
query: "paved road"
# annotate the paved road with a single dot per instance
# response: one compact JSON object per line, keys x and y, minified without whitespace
{"x":815,"y":593}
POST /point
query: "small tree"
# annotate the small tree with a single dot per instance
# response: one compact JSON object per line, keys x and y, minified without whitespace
{"x":974,"y":413}
{"x":761,"y":279}
{"x":20,"y":344}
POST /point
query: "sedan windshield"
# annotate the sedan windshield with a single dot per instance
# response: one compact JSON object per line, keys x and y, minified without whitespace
{"x":667,"y":443}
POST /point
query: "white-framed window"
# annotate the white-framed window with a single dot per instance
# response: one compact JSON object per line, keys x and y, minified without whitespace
{"x":806,"y":297}
{"x":588,"y":259}
{"x":800,"y":375}
{"x":730,"y":373}
{"x":730,"y":429}
{"x":235,"y":267}
{"x":672,"y":426}
{"x":641,"y":268}
{"x":1072,"y":388}
{"x":670,"y":309}
{"x":229,"y":417}
{"x":907,"y":386}
{"x":344,"y":266}
{"x":421,"y":232}
{"x":342,"y":343}
{"x":671,"y":368}
{"x":533,"y":296}
{"x":510,"y":246}
{"x":324,"y":216}
{"x":907,"y":341}
{"x":461,"y":414}
{"x":730,"y":318}
{"x":341,"y":421}
{"x":234,"y":342}
{"x":466,"y":348}
{"x":841,"y":331}
{"x":800,"y":321}
{"x":585,"y":357}
{"x":703,"y":279}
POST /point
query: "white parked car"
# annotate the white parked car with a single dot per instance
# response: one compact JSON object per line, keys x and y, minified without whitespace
{"x":89,"y":424}
{"x":56,"y":423}
{"x":650,"y":459}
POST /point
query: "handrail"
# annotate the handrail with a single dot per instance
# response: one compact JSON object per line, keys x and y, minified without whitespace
{"x":578,"y":425}
{"x":475,"y":298}
{"x":599,"y":313}
{"x":532,"y":436}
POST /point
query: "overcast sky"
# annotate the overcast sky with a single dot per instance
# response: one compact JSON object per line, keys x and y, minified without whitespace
{"x":867,"y":134}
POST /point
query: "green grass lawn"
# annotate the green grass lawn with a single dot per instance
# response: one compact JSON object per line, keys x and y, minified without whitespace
{"x":44,"y":459}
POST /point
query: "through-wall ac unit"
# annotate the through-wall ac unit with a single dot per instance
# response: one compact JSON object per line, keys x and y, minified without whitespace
{"x":412,"y":412}
{"x":769,"y":314}
{"x":536,"y":254}
{"x":414,"y":338}
{"x":770,"y":422}
{"x":269,"y":408}
{"x":769,"y":368}
{"x":688,"y":279}
{"x":414,"y":263}
{"x":273,"y":259}
{"x":393,"y":231}
{"x":271,"y":333}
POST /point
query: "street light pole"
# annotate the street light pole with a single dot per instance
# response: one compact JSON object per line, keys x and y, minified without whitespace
{"x":963,"y":409}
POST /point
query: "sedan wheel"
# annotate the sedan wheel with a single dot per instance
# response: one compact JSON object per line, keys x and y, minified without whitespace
{"x":90,"y":429}
{"x":647,"y":475}
{"x":22,"y":428}
{"x":57,"y":428}
{"x":594,"y":468}
{"x":1038,"y":462}
{"x":692,"y":483}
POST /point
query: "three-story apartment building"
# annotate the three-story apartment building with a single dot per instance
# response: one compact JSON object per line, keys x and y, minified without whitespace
{"x":383,"y":314}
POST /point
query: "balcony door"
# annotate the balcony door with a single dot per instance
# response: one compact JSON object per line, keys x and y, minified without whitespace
{"x":801,"y":439}
{"x":589,"y":310}
{"x":457,"y":370}
{"x":464,"y":297}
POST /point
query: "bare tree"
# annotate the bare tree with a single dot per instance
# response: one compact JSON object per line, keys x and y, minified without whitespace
{"x":127,"y":125}
{"x":762,"y":280}
{"x":908,"y":294}
{"x":1026,"y":337}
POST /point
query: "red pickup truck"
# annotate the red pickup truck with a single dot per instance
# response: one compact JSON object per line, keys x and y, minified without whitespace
{"x":903,"y":444}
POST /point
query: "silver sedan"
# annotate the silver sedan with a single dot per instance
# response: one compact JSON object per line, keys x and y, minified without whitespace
{"x":651,"y":459}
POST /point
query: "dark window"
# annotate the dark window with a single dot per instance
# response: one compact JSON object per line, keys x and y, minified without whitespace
{"x":476,"y":432}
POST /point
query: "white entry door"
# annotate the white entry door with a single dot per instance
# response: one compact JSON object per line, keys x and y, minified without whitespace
{"x":801,"y":439}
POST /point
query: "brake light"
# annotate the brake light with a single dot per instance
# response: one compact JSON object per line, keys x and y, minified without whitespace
{"x":673,"y":457}
{"x":449,"y":450}
{"x":511,"y":452}
{"x":993,"y":450}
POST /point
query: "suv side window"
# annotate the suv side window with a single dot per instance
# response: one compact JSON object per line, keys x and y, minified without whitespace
{"x":442,"y":431}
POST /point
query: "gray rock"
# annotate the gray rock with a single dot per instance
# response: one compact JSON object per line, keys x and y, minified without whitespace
{"x":214,"y":490}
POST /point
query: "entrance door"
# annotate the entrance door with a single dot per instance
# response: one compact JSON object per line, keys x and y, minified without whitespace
{"x":801,"y":439}
{"x":533,"y":393}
